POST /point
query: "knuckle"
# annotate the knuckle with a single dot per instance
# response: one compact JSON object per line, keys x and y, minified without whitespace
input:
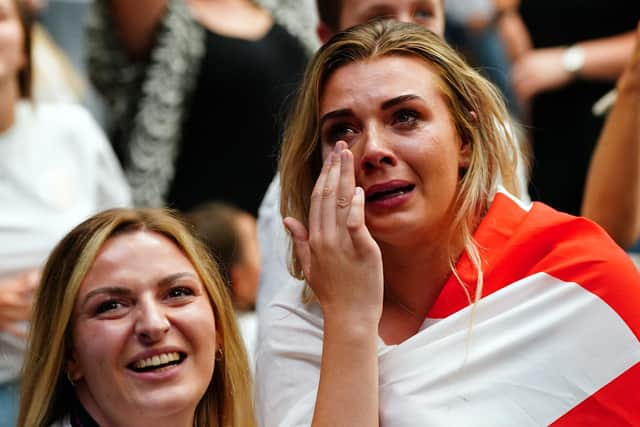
{"x":327,"y":191}
{"x":343,"y":202}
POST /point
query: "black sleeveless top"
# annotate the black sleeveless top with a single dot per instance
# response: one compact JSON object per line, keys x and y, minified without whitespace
{"x":564,"y":129}
{"x":231,"y":133}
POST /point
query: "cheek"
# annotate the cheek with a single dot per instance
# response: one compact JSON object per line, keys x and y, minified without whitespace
{"x":94,"y":353}
{"x":199,"y":325}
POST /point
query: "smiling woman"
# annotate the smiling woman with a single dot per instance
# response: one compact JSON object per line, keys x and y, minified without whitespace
{"x":143,"y":326}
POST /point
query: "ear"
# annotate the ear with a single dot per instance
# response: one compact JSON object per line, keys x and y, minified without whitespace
{"x":324,"y":32}
{"x":74,"y":371}
{"x":464,"y":159}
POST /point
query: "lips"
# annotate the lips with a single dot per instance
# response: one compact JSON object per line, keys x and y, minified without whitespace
{"x":157,"y":361}
{"x":388,"y":190}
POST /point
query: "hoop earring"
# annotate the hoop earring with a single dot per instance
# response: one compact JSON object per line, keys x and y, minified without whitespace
{"x":219,"y":354}
{"x":71,"y":380}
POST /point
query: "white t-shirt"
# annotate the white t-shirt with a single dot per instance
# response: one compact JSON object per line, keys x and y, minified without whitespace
{"x":56,"y":169}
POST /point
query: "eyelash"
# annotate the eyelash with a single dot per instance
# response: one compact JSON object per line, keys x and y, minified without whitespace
{"x":413,"y":116}
{"x":423,"y":14}
{"x":108,"y":305}
{"x":115,"y":304}
{"x":339,"y":131}
{"x":185,"y":291}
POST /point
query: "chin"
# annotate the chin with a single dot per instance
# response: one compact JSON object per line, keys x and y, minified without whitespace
{"x":167,"y":404}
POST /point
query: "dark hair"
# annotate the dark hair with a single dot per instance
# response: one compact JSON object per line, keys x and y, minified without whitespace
{"x":329,"y":13}
{"x":26,"y":17}
{"x":215,"y":224}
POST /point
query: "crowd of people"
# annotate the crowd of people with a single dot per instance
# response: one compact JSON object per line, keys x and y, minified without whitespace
{"x":416,"y":218}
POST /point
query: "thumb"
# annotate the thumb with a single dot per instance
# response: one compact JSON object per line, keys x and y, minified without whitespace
{"x":300,"y":238}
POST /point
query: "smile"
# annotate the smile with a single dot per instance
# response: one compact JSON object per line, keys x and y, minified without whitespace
{"x":157,"y":362}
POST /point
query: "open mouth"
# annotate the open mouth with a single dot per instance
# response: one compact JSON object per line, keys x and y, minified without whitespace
{"x":158,"y":362}
{"x":388,"y":194}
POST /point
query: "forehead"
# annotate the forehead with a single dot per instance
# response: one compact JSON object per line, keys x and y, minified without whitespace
{"x":137,"y":256}
{"x":7,"y":6}
{"x":376,"y":80}
{"x":387,"y":7}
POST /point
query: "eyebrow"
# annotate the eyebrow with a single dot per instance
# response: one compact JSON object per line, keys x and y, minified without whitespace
{"x":118,"y":290}
{"x":346,"y":112}
{"x":399,"y":100}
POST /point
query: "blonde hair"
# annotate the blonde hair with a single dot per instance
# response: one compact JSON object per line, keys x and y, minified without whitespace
{"x":478,"y":111}
{"x":47,"y":395}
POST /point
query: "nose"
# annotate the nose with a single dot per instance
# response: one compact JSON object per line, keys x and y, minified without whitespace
{"x":152,"y":323}
{"x":375,"y":151}
{"x":404,"y":16}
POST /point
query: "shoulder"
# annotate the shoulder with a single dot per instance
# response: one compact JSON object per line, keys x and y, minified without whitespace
{"x":287,"y":315}
{"x":577,"y":250}
{"x":288,"y":359}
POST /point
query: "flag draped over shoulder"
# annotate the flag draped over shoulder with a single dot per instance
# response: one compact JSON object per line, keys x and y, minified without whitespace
{"x":553,"y":341}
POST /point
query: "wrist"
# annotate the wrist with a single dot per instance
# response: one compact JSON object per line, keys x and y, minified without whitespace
{"x":573,"y":59}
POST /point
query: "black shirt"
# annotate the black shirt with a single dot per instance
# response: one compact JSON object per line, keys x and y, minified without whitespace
{"x":232,"y":130}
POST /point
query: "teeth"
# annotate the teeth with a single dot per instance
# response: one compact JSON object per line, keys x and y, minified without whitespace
{"x":159,"y":359}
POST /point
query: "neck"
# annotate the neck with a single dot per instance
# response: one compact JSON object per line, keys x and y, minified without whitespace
{"x":414,"y":277}
{"x":10,"y":94}
{"x":143,"y":417}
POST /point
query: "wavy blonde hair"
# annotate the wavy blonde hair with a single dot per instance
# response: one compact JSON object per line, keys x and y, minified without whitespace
{"x":47,"y":395}
{"x":478,"y":111}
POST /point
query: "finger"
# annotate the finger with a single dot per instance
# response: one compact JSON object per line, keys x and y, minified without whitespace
{"x":316,"y":195}
{"x":300,"y":240}
{"x":346,"y":186}
{"x":32,"y":279}
{"x":328,"y":220}
{"x":358,"y":231}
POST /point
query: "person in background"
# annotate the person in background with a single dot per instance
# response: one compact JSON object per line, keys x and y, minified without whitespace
{"x":56,"y":169}
{"x":143,"y":333}
{"x":230,"y":235}
{"x":471,"y":28}
{"x":434,"y":293}
{"x":186,"y":82}
{"x":566,"y":56}
{"x":612,"y":192}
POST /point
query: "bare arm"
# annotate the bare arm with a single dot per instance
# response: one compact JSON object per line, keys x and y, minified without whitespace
{"x":136,"y":22}
{"x":540,"y":70}
{"x":343,"y":265}
{"x":612,"y":192}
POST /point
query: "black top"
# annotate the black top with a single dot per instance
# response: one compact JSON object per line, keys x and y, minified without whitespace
{"x":564,"y":129}
{"x":231,"y":134}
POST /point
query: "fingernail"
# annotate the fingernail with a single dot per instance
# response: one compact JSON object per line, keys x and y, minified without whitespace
{"x":329,"y":158}
{"x":344,"y":155}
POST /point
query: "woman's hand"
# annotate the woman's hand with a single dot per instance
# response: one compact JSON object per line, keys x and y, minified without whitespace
{"x":343,"y":265}
{"x":341,"y":261}
{"x":16,"y":298}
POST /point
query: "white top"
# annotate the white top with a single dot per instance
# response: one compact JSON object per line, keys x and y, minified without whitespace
{"x":524,"y":362}
{"x":56,"y":169}
{"x":248,"y":325}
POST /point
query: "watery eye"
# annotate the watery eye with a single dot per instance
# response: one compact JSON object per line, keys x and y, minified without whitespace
{"x":339,"y":132}
{"x":405,"y":116}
